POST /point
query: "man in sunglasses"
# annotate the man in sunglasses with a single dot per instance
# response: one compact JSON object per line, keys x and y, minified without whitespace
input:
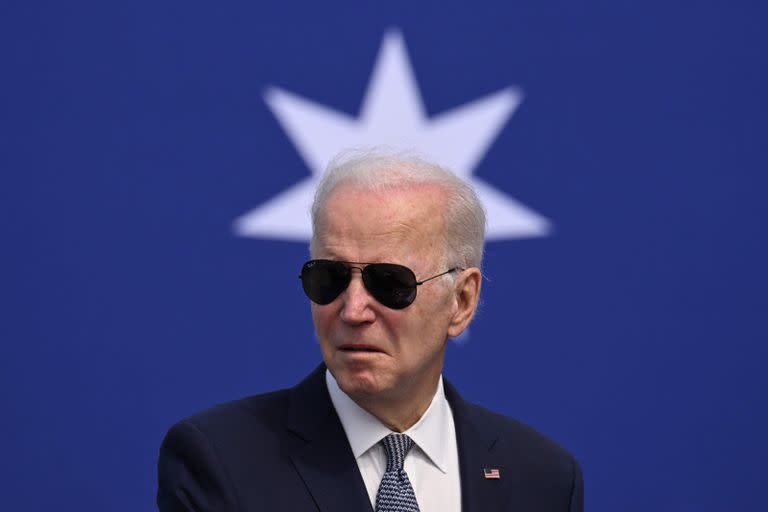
{"x":396,"y":250}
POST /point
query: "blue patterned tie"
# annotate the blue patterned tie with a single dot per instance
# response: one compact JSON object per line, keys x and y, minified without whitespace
{"x":395,"y":492}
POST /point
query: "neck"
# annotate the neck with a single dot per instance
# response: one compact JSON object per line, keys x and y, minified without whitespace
{"x":402,"y":412}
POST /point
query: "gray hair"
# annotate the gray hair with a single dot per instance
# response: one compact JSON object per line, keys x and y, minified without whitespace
{"x":383,"y":170}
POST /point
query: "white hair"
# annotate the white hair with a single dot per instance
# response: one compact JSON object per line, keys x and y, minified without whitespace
{"x":383,"y":170}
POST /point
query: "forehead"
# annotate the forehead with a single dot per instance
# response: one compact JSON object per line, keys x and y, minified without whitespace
{"x":362,"y":223}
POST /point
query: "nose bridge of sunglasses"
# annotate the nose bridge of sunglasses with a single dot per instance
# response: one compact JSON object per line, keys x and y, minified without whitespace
{"x":357,"y":294}
{"x":356,"y":266}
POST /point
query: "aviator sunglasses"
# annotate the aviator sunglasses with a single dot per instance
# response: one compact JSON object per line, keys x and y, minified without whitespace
{"x":391,"y":284}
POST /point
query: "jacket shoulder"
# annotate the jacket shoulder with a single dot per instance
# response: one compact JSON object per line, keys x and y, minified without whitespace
{"x":256,"y":414}
{"x":548,"y":473}
{"x":525,"y":447}
{"x":519,"y":434}
{"x":228,"y":457}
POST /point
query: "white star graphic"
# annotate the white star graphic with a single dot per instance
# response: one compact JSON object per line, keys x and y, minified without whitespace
{"x":392,"y":115}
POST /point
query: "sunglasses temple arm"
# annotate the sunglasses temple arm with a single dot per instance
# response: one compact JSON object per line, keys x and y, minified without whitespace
{"x":438,"y":275}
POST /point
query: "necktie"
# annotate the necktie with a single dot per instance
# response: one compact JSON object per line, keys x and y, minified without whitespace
{"x":395,"y":492}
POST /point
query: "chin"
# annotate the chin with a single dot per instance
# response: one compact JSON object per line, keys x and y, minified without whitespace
{"x":357,"y":383}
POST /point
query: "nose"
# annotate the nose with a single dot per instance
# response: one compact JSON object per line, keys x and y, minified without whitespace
{"x":356,"y":302}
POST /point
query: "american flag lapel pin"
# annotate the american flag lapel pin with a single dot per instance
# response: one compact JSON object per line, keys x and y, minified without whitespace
{"x":491,"y":474}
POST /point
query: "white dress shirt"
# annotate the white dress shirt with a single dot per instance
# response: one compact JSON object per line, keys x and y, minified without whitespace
{"x":433,"y":462}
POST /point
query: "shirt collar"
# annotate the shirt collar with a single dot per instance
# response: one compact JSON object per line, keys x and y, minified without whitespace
{"x":364,"y":430}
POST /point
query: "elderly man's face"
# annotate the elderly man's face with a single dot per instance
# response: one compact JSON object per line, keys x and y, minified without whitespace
{"x":403,"y":349}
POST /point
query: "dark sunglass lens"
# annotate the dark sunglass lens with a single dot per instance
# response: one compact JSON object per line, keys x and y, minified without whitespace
{"x":392,"y":285}
{"x":324,"y":280}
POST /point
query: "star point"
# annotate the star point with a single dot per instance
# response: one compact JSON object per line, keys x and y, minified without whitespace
{"x":393,"y":115}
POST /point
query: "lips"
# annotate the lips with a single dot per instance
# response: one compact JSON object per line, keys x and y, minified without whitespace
{"x":359,"y":347}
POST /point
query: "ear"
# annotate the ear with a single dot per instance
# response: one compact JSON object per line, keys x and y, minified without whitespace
{"x":467,"y":297}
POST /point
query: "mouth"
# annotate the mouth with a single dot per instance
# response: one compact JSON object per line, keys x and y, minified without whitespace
{"x":359,"y":347}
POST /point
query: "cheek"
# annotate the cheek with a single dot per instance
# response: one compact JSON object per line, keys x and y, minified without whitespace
{"x":436,"y":301}
{"x":433,"y":319}
{"x":321,"y":318}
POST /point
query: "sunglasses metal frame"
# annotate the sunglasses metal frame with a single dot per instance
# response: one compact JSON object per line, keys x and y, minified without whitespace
{"x":354,"y":265}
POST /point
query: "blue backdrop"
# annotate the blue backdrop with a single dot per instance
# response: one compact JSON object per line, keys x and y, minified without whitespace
{"x":621,"y":143}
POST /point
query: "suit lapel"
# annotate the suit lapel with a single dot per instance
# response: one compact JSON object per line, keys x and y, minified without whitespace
{"x":476,"y":442}
{"x":320,"y":452}
{"x":319,"y":448}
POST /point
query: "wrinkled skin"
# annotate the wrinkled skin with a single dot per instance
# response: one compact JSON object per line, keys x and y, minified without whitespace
{"x":396,"y":375}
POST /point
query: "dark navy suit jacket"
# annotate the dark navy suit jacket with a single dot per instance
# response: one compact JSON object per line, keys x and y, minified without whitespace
{"x":287,"y":451}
